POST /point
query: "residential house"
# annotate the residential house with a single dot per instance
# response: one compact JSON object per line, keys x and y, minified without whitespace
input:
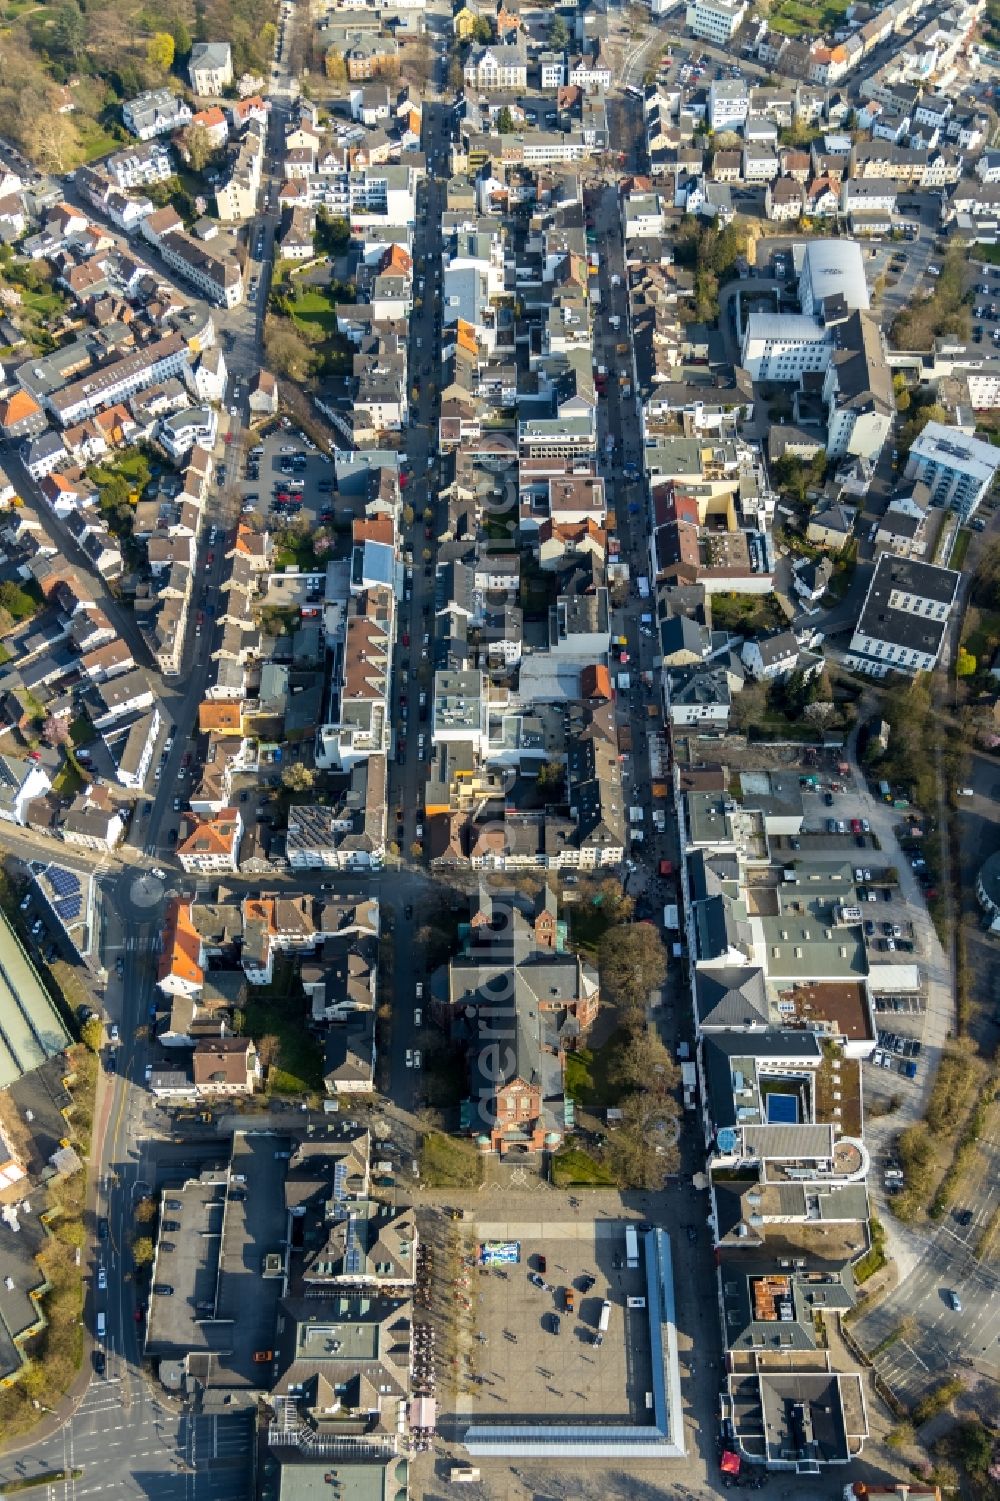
{"x":210,"y":68}
{"x":210,"y":845}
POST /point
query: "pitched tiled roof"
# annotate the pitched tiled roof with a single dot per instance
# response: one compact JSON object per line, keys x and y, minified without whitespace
{"x":212,"y":836}
{"x":17,"y":407}
{"x":181,"y":946}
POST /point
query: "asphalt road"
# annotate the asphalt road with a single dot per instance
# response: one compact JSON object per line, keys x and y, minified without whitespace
{"x":160,"y":1453}
{"x":408,"y":774}
{"x":131,"y":1446}
{"x":943,"y":1340}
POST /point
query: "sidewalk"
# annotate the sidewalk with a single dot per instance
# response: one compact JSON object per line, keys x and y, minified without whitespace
{"x":907,"y":1246}
{"x":53,"y":1419}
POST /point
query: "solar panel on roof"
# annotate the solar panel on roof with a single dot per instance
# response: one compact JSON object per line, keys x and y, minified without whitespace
{"x":69,"y":907}
{"x":352,"y":1255}
{"x":64,"y":882}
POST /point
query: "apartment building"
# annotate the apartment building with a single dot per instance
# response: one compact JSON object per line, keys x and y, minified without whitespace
{"x":139,"y":166}
{"x":118,"y":379}
{"x":716,"y":20}
{"x":904,"y":618}
{"x":216,"y":273}
{"x":957,"y":468}
{"x":728,"y":104}
{"x":154,"y":113}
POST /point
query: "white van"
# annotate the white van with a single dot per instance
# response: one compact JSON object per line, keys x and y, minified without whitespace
{"x":102,"y":1326}
{"x":966,"y":792}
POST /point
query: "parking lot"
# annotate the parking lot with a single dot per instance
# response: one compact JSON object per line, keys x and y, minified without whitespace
{"x":284,"y":476}
{"x":984,"y":285}
{"x":537,"y":1356}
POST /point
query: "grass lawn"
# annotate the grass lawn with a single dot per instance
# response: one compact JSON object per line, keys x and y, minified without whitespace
{"x":313,"y":308}
{"x":746,"y":613}
{"x":5,"y":655}
{"x":796,"y":18}
{"x":574,"y":1169}
{"x":45,"y":304}
{"x":587,"y":925}
{"x":988,"y":254}
{"x":446,"y":1162}
{"x":279,"y":1011}
{"x":587,"y":1073}
{"x":98,"y":143}
{"x":301,"y":555}
{"x":133,"y":466}
{"x":67,"y":781}
{"x":960,"y":548}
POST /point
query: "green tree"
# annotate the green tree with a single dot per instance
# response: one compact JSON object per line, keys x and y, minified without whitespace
{"x":68,"y":32}
{"x":182,"y":39}
{"x":644,"y":1147}
{"x":333,"y":233}
{"x":985,"y":583}
{"x":550,"y":774}
{"x":966,"y":664}
{"x":92,"y":1034}
{"x":142,"y":1250}
{"x":482,"y":31}
{"x":297,"y":777}
{"x":911,"y":430}
{"x":19,"y":603}
{"x":160,"y":51}
{"x":558,"y":34}
{"x":505,"y":122}
{"x":198,"y":144}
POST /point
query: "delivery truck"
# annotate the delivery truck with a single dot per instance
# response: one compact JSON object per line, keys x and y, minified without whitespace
{"x":631,"y":1248}
{"x":671,"y":918}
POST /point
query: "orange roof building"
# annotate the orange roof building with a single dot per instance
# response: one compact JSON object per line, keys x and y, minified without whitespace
{"x":375,"y":529}
{"x":20,"y":415}
{"x":595,"y":682}
{"x":212,"y":120}
{"x":116,"y":423}
{"x":181,"y":968}
{"x":220,"y":716}
{"x":212,"y":844}
{"x":396,"y":262}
